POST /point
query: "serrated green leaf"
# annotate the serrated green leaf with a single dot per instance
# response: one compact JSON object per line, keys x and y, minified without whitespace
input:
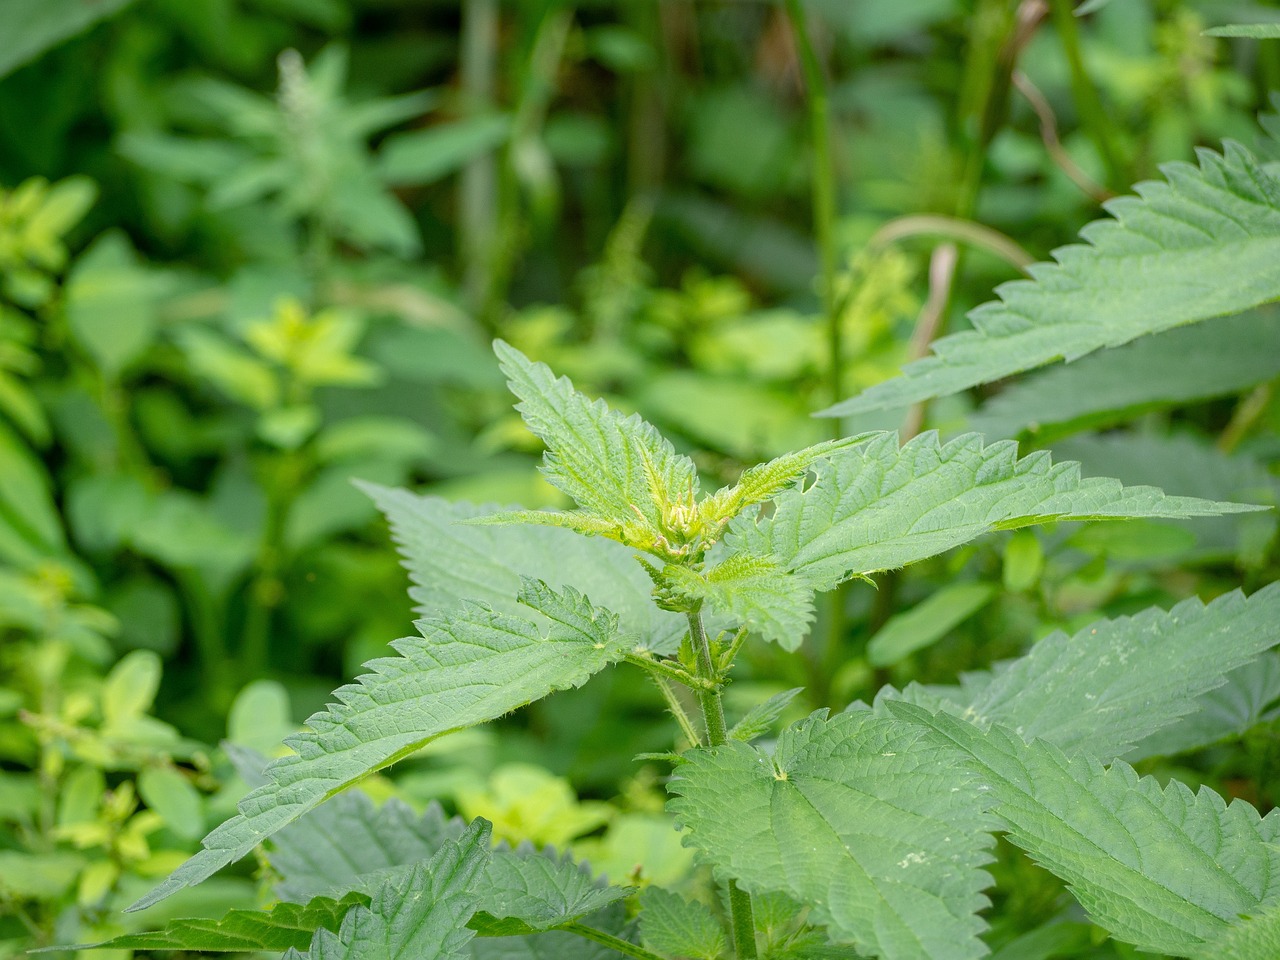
{"x":283,"y":926}
{"x":678,"y":927}
{"x":857,"y":816}
{"x":1160,"y":263}
{"x":1162,"y":868}
{"x":451,"y":562}
{"x":878,"y":507}
{"x":1255,"y":937}
{"x":754,"y":591}
{"x":1165,"y":369}
{"x":1116,"y":682}
{"x":761,"y":718}
{"x":617,"y":468}
{"x":526,"y":891}
{"x":927,"y":622}
{"x":421,"y":915}
{"x":467,"y":667}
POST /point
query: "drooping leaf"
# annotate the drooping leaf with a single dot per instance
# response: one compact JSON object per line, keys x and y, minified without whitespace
{"x":878,"y":507}
{"x":754,"y":591}
{"x":1178,"y":366}
{"x":1160,"y":263}
{"x":678,"y":927}
{"x":617,"y":468}
{"x":467,"y":667}
{"x":451,"y":562}
{"x":527,"y":891}
{"x":1250,"y":695}
{"x":421,"y":915}
{"x":241,"y":931}
{"x":857,"y":816}
{"x":1165,"y":869}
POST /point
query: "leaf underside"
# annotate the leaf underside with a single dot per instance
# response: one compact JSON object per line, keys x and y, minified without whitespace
{"x":468,"y":667}
{"x":1158,"y":264}
{"x":857,"y":816}
{"x":1117,"y":682}
{"x":879,"y":507}
{"x":1165,"y":869}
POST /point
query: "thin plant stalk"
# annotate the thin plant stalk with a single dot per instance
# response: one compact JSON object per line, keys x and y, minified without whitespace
{"x":625,"y":947}
{"x":1093,"y":115}
{"x":741,"y":913}
{"x":477,"y":189}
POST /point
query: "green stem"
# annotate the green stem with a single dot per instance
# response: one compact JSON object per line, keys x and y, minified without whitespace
{"x":741,"y":914}
{"x":1093,"y":115}
{"x":624,"y":947}
{"x":677,"y":709}
{"x":477,"y":188}
{"x":824,"y":193}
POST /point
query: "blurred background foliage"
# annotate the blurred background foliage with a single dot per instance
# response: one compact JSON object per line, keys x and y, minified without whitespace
{"x":251,"y":250}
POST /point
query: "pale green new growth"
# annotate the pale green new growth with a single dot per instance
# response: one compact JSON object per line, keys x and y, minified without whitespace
{"x":451,"y":562}
{"x":1117,"y":682}
{"x":1162,"y":868}
{"x":678,"y":927}
{"x":754,"y":591}
{"x":878,"y":507}
{"x":468,"y":667}
{"x":860,"y":817}
{"x":1204,"y":244}
{"x":421,"y":915}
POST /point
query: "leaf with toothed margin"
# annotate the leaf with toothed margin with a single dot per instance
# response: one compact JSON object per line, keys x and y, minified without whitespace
{"x":857,"y":816}
{"x":467,"y":667}
{"x":756,"y":592}
{"x":1162,"y":868}
{"x":1203,"y":243}
{"x":879,"y":507}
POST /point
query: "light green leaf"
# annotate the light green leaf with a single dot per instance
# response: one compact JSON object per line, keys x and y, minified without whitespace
{"x":467,"y":667}
{"x":1116,"y":682}
{"x":419,"y":916}
{"x":1255,"y":937}
{"x":1165,"y":369}
{"x":761,"y":718}
{"x":129,"y":689}
{"x":857,"y":816}
{"x":878,"y":507}
{"x":618,"y":468}
{"x":525,"y":891}
{"x":1204,"y":244}
{"x":423,"y":156}
{"x":1162,"y":868}
{"x":678,"y":927}
{"x":171,"y":795}
{"x":450,"y":562}
{"x":29,"y":29}
{"x":927,"y":622}
{"x":1254,"y":31}
{"x":754,"y":591}
{"x":242,"y":931}
{"x":110,"y":303}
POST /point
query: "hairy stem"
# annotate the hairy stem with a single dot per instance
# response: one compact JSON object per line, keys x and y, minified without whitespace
{"x":624,"y":947}
{"x":677,"y":709}
{"x":741,"y":914}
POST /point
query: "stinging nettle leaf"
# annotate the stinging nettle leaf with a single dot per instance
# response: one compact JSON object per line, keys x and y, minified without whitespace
{"x":1158,"y":264}
{"x":678,"y":927}
{"x":527,"y":891}
{"x":755,"y":591}
{"x":1165,"y":869}
{"x":1116,"y":682}
{"x":858,"y":816}
{"x":879,"y":507}
{"x":467,"y":667}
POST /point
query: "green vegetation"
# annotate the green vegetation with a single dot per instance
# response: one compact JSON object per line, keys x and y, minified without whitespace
{"x":981,"y":660}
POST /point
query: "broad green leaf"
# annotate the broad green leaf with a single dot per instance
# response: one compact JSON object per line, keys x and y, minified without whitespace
{"x":617,"y":468}
{"x":754,"y":591}
{"x":421,"y":915}
{"x":1203,"y":243}
{"x":129,"y":689}
{"x":927,"y":622}
{"x":1250,"y":695}
{"x":242,"y":931}
{"x":30,"y":29}
{"x":467,"y":667}
{"x":678,"y":927}
{"x":1165,"y":369}
{"x":451,"y":562}
{"x":172,"y":796}
{"x":857,"y":816}
{"x":1255,"y":937}
{"x":878,"y":507}
{"x":111,"y":303}
{"x":526,"y":891}
{"x":1165,"y":869}
{"x":1116,"y":682}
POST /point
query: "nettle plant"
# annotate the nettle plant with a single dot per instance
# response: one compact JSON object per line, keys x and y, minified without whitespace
{"x":863,"y":833}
